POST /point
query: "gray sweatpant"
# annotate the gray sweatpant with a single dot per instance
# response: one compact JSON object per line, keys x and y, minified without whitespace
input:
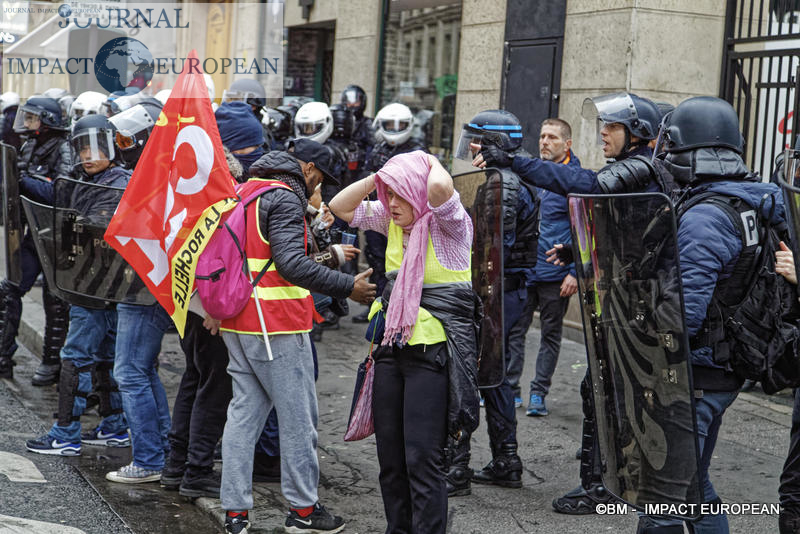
{"x":287,"y":383}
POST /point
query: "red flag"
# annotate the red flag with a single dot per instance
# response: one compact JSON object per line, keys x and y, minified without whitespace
{"x":176,"y":195}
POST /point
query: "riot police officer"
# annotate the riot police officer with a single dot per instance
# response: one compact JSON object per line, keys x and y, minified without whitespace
{"x":702,"y":148}
{"x":355,"y":99}
{"x":133,"y":128}
{"x":625,"y":124}
{"x":92,"y":332}
{"x":9,"y":103}
{"x":45,"y":153}
{"x":520,"y":211}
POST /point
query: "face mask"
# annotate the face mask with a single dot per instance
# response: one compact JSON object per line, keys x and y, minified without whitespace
{"x":248,"y":159}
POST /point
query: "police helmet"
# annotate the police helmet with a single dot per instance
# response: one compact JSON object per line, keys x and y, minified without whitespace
{"x":279,"y":121}
{"x":92,"y":140}
{"x":8,"y":100}
{"x":394,"y":124}
{"x":640,"y":116}
{"x":344,"y":121}
{"x":355,"y":99}
{"x":87,"y":103}
{"x":702,"y":122}
{"x":36,"y":113}
{"x":246,"y":90}
{"x":314,"y":121}
{"x":133,"y":127}
{"x":495,"y":126}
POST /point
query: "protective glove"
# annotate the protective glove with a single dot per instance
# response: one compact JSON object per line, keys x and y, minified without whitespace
{"x":494,"y":156}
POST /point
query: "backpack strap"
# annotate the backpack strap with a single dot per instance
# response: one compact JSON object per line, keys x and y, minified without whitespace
{"x":735,"y":288}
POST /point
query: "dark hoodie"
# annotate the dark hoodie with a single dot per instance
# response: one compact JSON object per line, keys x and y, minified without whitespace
{"x":281,"y":219}
{"x":709,"y":245}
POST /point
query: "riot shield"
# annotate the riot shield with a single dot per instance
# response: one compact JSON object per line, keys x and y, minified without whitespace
{"x":626,"y":258}
{"x":79,"y":264}
{"x":790,"y":184}
{"x":481,"y":194}
{"x":12,"y":221}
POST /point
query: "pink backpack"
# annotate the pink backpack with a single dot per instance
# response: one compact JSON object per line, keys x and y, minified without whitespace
{"x":223,"y":280}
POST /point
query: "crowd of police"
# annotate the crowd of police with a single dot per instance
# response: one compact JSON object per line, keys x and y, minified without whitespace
{"x":335,"y":155}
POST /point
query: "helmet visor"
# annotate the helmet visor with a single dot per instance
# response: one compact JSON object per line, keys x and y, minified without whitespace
{"x":463,"y":150}
{"x":130,"y":123}
{"x":395,"y":125}
{"x":350,"y":98}
{"x":93,"y":145}
{"x":27,"y":120}
{"x":309,"y":128}
{"x":237,"y":96}
{"x":608,"y":109}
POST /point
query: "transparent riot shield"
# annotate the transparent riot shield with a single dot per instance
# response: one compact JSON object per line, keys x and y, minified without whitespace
{"x":481,"y":194}
{"x":12,"y":220}
{"x":626,"y":259}
{"x":79,"y":264}
{"x":790,"y":184}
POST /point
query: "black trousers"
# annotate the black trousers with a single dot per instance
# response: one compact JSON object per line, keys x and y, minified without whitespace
{"x":200,"y":410}
{"x":789,"y":490}
{"x":409,"y":407}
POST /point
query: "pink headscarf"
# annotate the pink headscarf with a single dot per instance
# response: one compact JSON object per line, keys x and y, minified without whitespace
{"x":407,"y":175}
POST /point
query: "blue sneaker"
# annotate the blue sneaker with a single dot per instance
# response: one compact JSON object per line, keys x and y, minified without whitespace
{"x":536,"y":406}
{"x":49,"y":445}
{"x":517,"y":402}
{"x":109,"y":439}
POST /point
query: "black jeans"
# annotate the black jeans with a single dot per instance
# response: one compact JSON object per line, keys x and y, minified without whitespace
{"x":409,"y":407}
{"x":200,"y":410}
{"x":552,"y":306}
{"x":789,"y":490}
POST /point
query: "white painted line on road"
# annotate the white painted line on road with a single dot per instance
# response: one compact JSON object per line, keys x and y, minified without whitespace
{"x":17,"y":525}
{"x":19,"y":469}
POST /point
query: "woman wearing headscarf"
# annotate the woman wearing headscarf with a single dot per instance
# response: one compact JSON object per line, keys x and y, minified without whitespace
{"x":425,"y":369}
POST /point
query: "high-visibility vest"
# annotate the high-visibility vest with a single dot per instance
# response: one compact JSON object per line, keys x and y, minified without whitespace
{"x":287,"y":309}
{"x":428,"y":329}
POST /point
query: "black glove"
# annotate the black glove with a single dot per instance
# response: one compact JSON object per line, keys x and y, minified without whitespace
{"x":564,"y":254}
{"x":494,"y":156}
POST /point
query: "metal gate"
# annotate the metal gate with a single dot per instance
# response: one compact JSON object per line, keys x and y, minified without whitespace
{"x":760,"y":75}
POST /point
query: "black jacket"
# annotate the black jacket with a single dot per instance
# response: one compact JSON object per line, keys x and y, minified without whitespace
{"x":47,"y":154}
{"x":281,"y":219}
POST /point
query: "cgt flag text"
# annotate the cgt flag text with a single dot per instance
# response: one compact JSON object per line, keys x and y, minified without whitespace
{"x":176,"y":196}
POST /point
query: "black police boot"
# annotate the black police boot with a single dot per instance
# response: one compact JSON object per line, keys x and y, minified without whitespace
{"x":647,"y":527}
{"x":7,"y":367}
{"x":266,"y":468}
{"x":459,"y":475}
{"x":789,"y":522}
{"x":582,"y":501}
{"x":505,"y":469}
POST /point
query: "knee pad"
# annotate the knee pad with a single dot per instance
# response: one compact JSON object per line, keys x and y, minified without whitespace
{"x":105,"y":385}
{"x":68,"y":390}
{"x":56,"y":325}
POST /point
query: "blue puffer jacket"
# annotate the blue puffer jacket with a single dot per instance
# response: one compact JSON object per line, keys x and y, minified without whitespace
{"x":554,"y":228}
{"x":566,"y":179}
{"x":709,"y":246}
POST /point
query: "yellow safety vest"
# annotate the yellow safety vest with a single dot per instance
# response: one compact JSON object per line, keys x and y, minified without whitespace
{"x":427,"y":330}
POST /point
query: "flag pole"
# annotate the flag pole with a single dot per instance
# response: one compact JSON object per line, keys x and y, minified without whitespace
{"x":260,"y":315}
